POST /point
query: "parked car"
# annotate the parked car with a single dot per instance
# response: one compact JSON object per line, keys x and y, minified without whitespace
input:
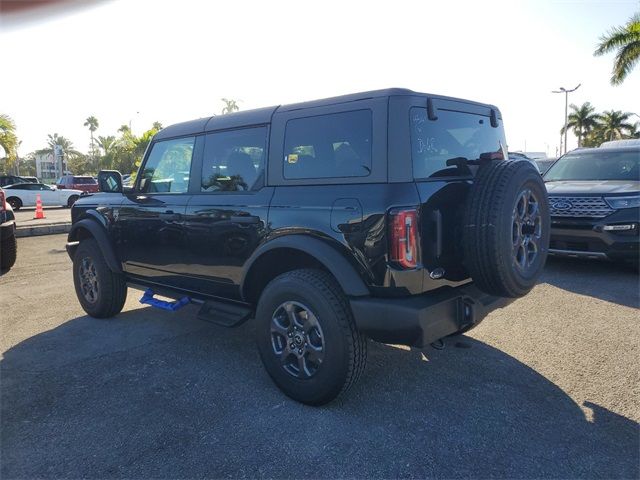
{"x":31,"y":179}
{"x":11,"y":179}
{"x":86,"y":184}
{"x":8,"y":242}
{"x":595,"y":204}
{"x":25,"y":195}
{"x":389,"y":214}
{"x":522,"y":156}
{"x":544,"y":164}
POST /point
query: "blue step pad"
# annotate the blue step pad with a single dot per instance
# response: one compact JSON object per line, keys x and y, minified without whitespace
{"x":163,"y":304}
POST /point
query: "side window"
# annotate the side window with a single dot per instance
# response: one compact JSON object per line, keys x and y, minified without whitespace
{"x":167,"y":168}
{"x":329,"y":146}
{"x":234,"y":160}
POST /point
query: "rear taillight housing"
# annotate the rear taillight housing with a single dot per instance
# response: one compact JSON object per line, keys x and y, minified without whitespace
{"x":3,"y":205}
{"x":403,"y":234}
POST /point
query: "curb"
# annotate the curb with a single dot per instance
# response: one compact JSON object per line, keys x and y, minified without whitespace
{"x":48,"y":229}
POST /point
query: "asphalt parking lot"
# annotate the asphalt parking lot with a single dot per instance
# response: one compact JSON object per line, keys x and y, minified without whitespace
{"x":547,"y":387}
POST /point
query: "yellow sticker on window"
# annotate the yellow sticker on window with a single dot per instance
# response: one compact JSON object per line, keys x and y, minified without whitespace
{"x":292,"y":158}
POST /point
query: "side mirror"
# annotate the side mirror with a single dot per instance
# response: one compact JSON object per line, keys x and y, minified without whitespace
{"x":110,"y":181}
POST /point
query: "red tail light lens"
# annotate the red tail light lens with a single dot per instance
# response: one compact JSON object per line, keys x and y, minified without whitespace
{"x":3,"y":206}
{"x":404,"y":237}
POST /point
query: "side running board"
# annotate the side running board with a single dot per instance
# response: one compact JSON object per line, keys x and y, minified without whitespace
{"x":224,"y":314}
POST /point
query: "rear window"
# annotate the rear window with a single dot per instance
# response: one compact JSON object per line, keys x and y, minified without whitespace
{"x":452,"y":135}
{"x":598,"y":165}
{"x":329,"y":146}
{"x":84,"y":180}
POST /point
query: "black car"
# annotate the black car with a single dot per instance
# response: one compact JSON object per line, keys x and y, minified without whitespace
{"x":12,"y":179}
{"x":388,"y":215}
{"x":595,"y":204}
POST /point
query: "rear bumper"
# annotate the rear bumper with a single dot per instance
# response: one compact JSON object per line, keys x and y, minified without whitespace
{"x":422,"y":319}
{"x":585,"y":238}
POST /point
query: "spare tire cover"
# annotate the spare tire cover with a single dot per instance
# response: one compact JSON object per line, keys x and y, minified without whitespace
{"x":506,"y":228}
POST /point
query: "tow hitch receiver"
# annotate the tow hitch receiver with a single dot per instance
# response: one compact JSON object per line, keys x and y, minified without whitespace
{"x":149,"y":299}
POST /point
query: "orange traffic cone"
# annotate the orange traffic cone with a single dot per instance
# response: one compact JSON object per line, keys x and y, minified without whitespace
{"x":39,"y":210}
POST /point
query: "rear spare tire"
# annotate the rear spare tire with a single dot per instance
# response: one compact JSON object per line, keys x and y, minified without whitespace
{"x":506,"y":228}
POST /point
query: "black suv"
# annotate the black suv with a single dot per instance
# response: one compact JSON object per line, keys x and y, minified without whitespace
{"x":389,"y":214}
{"x":595,"y":204}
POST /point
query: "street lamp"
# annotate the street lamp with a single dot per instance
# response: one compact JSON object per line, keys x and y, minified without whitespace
{"x":566,"y":107}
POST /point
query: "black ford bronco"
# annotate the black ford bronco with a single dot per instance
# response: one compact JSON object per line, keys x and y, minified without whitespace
{"x":391,"y":215}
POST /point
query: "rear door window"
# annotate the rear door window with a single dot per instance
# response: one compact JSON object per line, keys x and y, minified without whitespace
{"x":329,"y":146}
{"x":438,"y":145}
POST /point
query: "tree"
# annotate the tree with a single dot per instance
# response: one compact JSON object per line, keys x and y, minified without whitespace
{"x":614,"y":125}
{"x":625,"y":41}
{"x":92,"y":124}
{"x":582,"y":120}
{"x":8,"y":139}
{"x":230,"y":106}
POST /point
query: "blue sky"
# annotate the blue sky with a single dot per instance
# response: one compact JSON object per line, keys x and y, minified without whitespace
{"x":140,"y":60}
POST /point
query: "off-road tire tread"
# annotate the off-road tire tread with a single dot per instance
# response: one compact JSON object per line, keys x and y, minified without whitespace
{"x":113,"y":287}
{"x":9,"y":252}
{"x":325,"y":284}
{"x":482,"y":251}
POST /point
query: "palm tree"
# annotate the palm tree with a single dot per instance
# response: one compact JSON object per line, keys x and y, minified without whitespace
{"x":107,"y":144}
{"x":230,"y":106}
{"x":625,"y":41}
{"x":8,"y":138}
{"x":582,"y":120}
{"x":92,"y":123}
{"x":614,"y":124}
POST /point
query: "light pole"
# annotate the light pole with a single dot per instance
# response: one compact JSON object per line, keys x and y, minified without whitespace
{"x":566,"y":112}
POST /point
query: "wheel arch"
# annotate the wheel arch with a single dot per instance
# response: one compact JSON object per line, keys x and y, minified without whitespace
{"x":93,"y":228}
{"x":298,"y":251}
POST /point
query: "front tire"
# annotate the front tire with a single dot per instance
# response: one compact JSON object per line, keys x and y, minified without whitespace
{"x":101,"y":292}
{"x":15,"y":203}
{"x":307,"y":337}
{"x":72,"y":199}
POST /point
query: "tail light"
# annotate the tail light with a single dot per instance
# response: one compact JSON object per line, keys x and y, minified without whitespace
{"x":3,"y":205}
{"x":404,"y":237}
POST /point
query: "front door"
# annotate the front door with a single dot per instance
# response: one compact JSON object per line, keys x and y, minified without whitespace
{"x":226,"y":218}
{"x":150,"y":221}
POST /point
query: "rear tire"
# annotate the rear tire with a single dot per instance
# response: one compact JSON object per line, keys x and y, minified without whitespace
{"x":306,"y":309}
{"x":101,"y":292}
{"x":506,"y":228}
{"x":9,"y":248}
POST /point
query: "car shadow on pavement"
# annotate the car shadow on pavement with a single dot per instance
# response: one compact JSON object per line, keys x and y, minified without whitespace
{"x":150,"y":395}
{"x":607,"y":281}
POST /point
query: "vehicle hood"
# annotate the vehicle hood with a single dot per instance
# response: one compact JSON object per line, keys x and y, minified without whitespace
{"x":592,"y":187}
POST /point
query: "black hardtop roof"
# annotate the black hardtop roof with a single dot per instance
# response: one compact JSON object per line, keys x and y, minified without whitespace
{"x":263,"y":115}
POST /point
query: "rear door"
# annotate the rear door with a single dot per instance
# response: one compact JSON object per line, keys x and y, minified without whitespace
{"x":226,"y":218}
{"x":150,"y":220}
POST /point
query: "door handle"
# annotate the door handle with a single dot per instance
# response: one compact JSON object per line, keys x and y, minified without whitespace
{"x":170,"y":216}
{"x":245,"y":219}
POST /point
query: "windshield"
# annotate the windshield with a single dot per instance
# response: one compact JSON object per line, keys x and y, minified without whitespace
{"x":452,"y":135}
{"x":597,"y":165}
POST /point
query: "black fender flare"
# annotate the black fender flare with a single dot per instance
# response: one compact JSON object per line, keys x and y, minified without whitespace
{"x":335,"y":262}
{"x":99,"y":232}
